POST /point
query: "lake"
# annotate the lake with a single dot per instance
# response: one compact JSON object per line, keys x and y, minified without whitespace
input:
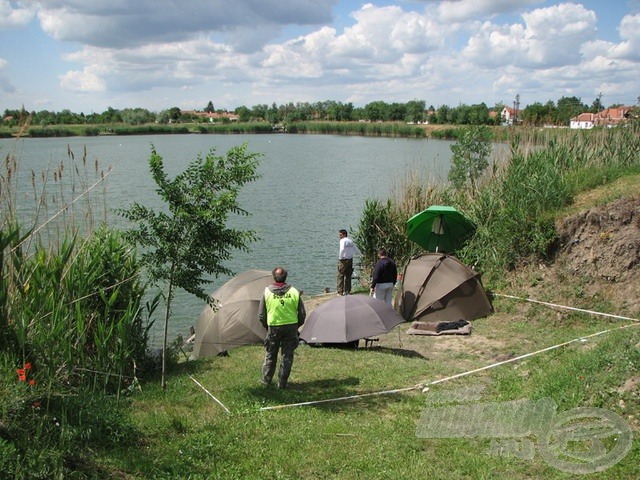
{"x":311,"y":186}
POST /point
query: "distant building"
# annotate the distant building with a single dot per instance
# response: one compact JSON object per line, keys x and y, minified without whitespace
{"x":609,"y":117}
{"x":509,"y":115}
{"x":212,"y":116}
{"x":583,"y":121}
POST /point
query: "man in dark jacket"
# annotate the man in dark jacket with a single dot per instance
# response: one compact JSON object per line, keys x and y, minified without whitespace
{"x":281,"y":312}
{"x":385,"y":275}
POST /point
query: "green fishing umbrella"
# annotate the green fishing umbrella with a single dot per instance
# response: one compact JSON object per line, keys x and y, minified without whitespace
{"x":439,"y":229}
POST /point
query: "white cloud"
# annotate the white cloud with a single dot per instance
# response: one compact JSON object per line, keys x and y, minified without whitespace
{"x":550,"y":37}
{"x":119,"y":24}
{"x":629,"y":48}
{"x":157,"y":53}
{"x":464,"y":10}
{"x":15,"y":16}
{"x":83,"y":81}
{"x":385,"y":42}
{"x":177,"y":65}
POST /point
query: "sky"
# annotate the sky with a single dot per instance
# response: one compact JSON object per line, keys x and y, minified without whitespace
{"x":89,"y":55}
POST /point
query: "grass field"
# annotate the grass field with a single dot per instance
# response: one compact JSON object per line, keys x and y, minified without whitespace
{"x":364,"y":413}
{"x":189,"y":435}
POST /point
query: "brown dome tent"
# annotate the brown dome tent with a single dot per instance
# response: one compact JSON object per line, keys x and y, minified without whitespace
{"x":439,"y":288}
{"x":234,"y":322}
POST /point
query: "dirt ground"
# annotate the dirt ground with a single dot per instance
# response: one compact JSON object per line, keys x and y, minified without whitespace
{"x":603,"y":245}
{"x":597,"y":255}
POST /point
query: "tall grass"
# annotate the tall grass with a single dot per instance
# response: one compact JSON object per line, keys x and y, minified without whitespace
{"x":381,"y":129}
{"x":147,"y":129}
{"x":514,"y":204}
{"x":73,"y":327}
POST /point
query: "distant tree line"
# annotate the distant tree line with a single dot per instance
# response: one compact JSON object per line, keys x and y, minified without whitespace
{"x":414,"y":111}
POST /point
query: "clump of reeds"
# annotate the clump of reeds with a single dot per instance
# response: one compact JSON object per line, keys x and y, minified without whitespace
{"x":514,"y":203}
{"x":72,"y":319}
{"x":380,"y":129}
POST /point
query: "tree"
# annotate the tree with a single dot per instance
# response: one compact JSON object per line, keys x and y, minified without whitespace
{"x":569,"y":107}
{"x":244,"y":114}
{"x":137,"y":116}
{"x":191,"y":239}
{"x":538,"y":114}
{"x":596,"y":106}
{"x":470,"y":156}
{"x":396,"y":112}
{"x":175,"y":113}
{"x":209,"y":108}
{"x":443,"y":113}
{"x":111,"y":116}
{"x":377,"y":111}
{"x":259,"y":112}
{"x":415,"y":111}
{"x":273,"y":114}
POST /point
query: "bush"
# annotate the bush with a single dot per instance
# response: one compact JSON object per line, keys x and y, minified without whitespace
{"x":381,"y":226}
{"x":75,"y":311}
{"x":52,"y":435}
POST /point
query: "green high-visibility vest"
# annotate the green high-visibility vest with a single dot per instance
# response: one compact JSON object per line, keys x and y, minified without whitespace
{"x":281,"y":309}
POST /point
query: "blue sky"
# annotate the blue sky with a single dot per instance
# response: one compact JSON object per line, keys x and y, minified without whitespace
{"x":88,"y":55}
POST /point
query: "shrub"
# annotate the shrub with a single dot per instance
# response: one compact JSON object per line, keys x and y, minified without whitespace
{"x":470,"y":157}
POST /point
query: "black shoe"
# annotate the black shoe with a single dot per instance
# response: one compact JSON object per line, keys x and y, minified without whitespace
{"x":282,"y":386}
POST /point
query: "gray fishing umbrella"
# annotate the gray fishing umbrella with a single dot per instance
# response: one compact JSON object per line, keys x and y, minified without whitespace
{"x":348,"y":318}
{"x":233,"y":319}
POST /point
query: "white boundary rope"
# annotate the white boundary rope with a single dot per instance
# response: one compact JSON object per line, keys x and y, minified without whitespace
{"x":567,"y":308}
{"x":515,"y":359}
{"x":275,"y":407}
{"x":452,"y":377}
{"x":210,"y":394}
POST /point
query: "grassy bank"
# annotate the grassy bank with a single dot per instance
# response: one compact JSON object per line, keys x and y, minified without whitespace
{"x":188,"y":435}
{"x":371,"y":129}
{"x":356,"y":430}
{"x":126,"y":129}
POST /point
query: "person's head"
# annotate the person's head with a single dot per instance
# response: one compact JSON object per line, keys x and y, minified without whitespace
{"x":343,"y":233}
{"x":279,"y":274}
{"x":382,"y":252}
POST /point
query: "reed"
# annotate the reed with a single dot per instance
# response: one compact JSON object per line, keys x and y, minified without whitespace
{"x":146,"y":129}
{"x":515,"y":200}
{"x":386,"y":129}
{"x":71,"y":317}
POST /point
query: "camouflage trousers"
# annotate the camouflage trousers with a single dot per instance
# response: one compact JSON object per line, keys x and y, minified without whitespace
{"x":285,"y":338}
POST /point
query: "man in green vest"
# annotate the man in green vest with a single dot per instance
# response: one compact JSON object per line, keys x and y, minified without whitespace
{"x":281,"y":312}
